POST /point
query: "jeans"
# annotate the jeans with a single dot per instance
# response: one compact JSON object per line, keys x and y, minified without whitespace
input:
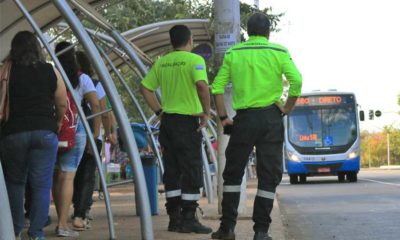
{"x":84,"y":183}
{"x":69,"y":161}
{"x":29,"y":155}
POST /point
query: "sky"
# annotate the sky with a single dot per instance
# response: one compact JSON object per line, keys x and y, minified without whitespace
{"x":348,"y":45}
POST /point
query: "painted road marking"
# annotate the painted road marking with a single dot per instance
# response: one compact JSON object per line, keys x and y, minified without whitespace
{"x":375,"y":181}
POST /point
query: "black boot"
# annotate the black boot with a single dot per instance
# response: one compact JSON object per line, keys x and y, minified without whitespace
{"x":223,"y":234}
{"x":174,"y":221}
{"x":190,"y":224}
{"x":261,"y":236}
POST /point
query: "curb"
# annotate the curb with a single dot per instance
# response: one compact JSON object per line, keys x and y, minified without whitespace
{"x":278,"y":230}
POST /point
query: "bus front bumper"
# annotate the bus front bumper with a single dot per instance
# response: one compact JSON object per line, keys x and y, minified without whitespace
{"x":323,"y":168}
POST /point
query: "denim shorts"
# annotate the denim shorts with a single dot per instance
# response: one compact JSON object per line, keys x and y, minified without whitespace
{"x":69,"y":161}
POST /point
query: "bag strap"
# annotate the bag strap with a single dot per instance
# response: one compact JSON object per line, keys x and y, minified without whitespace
{"x":5,"y":77}
{"x":5,"y":71}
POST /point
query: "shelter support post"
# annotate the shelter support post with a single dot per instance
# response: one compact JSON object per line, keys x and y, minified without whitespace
{"x":139,"y":108}
{"x":127,"y":135}
{"x":80,"y":112}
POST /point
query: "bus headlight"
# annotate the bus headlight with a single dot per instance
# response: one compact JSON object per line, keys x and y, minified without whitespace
{"x":353,"y":154}
{"x":292,"y":156}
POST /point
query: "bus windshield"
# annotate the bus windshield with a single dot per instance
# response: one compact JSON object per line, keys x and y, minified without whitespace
{"x":323,"y":127}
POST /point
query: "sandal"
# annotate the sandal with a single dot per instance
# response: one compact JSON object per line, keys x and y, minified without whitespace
{"x":81,"y":226}
{"x":65,"y":232}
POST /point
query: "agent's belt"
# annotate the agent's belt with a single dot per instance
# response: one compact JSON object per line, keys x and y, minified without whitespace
{"x":256,"y":109}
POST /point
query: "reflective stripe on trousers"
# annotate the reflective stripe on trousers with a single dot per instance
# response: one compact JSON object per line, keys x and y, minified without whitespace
{"x":232,"y":188}
{"x":265,"y":194}
{"x":190,"y":197}
{"x":173,"y":193}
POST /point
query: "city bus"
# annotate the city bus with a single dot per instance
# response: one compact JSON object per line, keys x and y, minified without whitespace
{"x":322,"y":137}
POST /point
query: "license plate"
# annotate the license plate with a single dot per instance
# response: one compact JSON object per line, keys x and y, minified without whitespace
{"x":324,"y":170}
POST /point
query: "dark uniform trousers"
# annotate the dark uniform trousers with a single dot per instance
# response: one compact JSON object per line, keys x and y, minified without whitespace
{"x":183,"y":175}
{"x":262,"y":128}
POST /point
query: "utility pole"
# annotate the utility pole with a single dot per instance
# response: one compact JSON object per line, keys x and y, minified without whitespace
{"x":369,"y":155}
{"x":388,"y":148}
{"x":227,"y":34}
{"x":257,"y":4}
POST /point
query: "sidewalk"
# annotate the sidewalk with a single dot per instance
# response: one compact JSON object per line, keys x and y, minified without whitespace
{"x":127,"y":224}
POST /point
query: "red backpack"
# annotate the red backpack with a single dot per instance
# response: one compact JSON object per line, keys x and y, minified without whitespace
{"x":66,"y":136}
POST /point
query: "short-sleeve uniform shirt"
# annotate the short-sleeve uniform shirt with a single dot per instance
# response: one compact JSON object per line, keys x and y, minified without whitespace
{"x":176,"y":74}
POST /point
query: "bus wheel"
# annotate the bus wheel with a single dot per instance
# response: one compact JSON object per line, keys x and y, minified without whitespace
{"x":294,"y":179}
{"x":352,"y":176}
{"x":303,"y":178}
{"x":341,"y":177}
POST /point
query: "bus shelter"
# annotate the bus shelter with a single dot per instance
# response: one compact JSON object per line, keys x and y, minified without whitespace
{"x":134,"y":48}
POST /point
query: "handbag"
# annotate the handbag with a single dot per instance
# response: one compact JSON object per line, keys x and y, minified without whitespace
{"x":4,"y":94}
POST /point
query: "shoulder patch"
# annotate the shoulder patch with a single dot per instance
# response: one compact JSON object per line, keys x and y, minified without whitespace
{"x":199,"y":67}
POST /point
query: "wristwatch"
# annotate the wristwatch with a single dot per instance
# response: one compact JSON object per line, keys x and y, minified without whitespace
{"x":222,"y":118}
{"x":158,"y":112}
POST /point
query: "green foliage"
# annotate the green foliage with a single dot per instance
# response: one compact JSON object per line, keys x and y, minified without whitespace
{"x":130,"y":14}
{"x":398,"y":100}
{"x":126,"y":15}
{"x":374,"y":147}
{"x":247,"y":10}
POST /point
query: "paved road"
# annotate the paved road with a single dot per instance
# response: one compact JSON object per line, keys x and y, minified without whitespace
{"x":325,"y":209}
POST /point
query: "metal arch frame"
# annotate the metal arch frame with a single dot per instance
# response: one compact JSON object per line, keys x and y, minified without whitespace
{"x":136,"y":102}
{"x":130,"y":55}
{"x":107,"y":82}
{"x":80,"y":112}
{"x":132,"y":96}
{"x":6,"y":224}
{"x":129,"y":49}
{"x":207,"y":175}
{"x":157,"y":25}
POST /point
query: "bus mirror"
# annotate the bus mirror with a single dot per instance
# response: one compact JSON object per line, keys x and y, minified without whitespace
{"x":362,"y":116}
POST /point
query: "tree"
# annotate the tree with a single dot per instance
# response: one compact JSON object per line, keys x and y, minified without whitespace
{"x":398,"y":100}
{"x":127,"y":15}
{"x":374,"y":147}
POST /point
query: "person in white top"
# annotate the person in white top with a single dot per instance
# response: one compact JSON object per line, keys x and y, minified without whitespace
{"x":68,"y":162}
{"x":84,"y":181}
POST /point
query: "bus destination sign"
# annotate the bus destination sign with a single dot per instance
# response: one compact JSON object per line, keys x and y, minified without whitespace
{"x":323,"y":100}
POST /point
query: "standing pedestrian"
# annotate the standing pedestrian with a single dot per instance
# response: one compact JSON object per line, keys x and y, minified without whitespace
{"x":68,"y":162}
{"x":255,"y":69}
{"x":182,"y":77}
{"x":37,"y":101}
{"x":85,"y":178}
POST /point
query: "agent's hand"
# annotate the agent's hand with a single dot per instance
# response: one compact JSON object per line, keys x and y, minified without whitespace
{"x":204,"y":117}
{"x":282,"y":108}
{"x":160,"y":116}
{"x":227,"y":122}
{"x":227,"y":125}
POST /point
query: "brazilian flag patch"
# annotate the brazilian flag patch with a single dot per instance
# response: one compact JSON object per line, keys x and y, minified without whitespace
{"x":199,"y":67}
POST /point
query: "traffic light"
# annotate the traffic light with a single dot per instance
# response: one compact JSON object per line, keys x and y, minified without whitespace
{"x":371,"y":114}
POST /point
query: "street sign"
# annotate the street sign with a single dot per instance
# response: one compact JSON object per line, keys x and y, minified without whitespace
{"x":378,"y":113}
